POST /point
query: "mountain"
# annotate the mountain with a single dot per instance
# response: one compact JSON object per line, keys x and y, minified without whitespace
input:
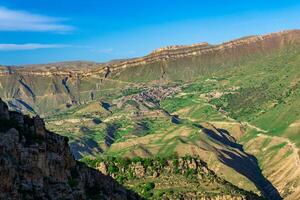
{"x":233,"y":105}
{"x":44,"y":88}
{"x":37,"y":164}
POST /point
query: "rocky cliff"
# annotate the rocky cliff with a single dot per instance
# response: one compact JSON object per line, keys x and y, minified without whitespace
{"x":38,"y":164}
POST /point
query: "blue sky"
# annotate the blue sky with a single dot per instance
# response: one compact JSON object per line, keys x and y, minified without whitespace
{"x":43,"y":31}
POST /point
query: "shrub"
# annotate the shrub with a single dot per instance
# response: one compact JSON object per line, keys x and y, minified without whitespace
{"x":175,"y":162}
{"x":91,"y":162}
{"x":121,"y":179}
{"x":149,"y":186}
{"x":161,"y":161}
{"x":112,"y":169}
{"x":123,"y":162}
{"x":160,"y":193}
{"x":176,"y":170}
{"x":137,"y":159}
{"x":189,"y":173}
{"x":147,"y":162}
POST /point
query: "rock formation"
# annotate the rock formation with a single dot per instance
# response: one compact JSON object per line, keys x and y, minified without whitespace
{"x":38,"y":164}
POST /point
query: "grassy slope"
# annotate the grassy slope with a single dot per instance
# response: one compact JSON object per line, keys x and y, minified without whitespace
{"x":262,"y":90}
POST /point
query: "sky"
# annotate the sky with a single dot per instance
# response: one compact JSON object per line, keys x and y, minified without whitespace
{"x":45,"y":31}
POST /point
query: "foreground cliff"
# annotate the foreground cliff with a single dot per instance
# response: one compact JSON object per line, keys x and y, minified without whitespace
{"x":38,"y":164}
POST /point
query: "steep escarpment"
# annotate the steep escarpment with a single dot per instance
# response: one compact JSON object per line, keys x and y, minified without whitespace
{"x":188,"y":62}
{"x":235,"y":49}
{"x":210,"y":54}
{"x":38,"y":164}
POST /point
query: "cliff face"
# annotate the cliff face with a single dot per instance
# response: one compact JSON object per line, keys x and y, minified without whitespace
{"x":238,"y":47}
{"x":38,"y":164}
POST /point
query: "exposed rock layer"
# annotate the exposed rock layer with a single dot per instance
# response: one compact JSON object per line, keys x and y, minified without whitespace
{"x":248,"y":44}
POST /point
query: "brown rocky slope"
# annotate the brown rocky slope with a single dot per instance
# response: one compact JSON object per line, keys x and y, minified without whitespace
{"x":38,"y":164}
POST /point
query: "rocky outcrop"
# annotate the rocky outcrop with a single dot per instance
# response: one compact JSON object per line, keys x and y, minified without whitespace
{"x":190,"y":175}
{"x":38,"y":164}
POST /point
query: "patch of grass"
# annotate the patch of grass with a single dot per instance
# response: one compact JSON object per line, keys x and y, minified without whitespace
{"x":177,"y":103}
{"x":277,"y":147}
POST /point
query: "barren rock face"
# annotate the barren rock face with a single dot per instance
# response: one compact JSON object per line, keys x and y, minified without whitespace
{"x":3,"y":110}
{"x":38,"y":164}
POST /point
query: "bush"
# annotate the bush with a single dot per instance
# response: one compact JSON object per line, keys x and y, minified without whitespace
{"x":149,"y":186}
{"x":123,"y":162}
{"x":161,"y":161}
{"x":112,"y":169}
{"x":147,"y":162}
{"x":160,"y":193}
{"x":91,"y":162}
{"x":176,"y":170}
{"x":189,"y":173}
{"x":175,"y":162}
{"x":121,"y":179}
{"x":131,"y":175}
{"x":137,"y":159}
{"x":148,"y":195}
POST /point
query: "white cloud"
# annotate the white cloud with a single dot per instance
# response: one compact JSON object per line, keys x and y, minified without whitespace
{"x":29,"y":46}
{"x":103,"y":51}
{"x":15,"y":20}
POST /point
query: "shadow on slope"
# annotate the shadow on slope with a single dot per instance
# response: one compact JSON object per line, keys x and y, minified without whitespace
{"x":84,"y":146}
{"x":241,"y":161}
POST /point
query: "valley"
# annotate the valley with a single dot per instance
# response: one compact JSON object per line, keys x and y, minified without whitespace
{"x":235,"y":106}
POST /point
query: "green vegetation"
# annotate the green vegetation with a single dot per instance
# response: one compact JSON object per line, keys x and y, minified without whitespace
{"x":177,"y":103}
{"x":170,"y":177}
{"x":248,"y":96}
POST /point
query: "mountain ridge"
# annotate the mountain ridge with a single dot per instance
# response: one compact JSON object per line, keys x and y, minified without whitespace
{"x":160,"y":54}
